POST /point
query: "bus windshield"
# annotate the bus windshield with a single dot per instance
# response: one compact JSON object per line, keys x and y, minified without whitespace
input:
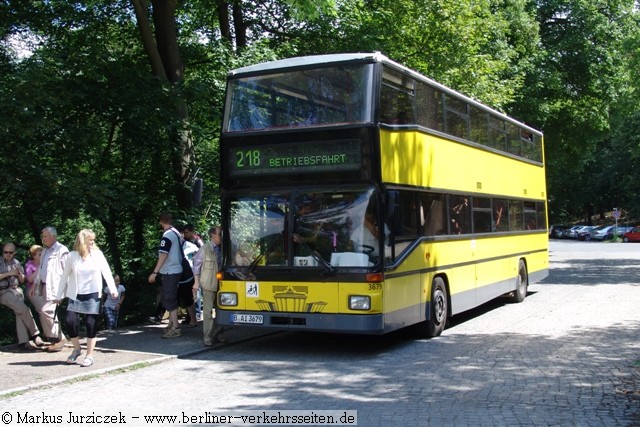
{"x":303,"y":98}
{"x":306,"y":229}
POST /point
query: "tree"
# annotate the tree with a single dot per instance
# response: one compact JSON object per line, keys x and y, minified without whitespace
{"x":483,"y":49}
{"x":571,"y":92}
{"x":166,"y":64}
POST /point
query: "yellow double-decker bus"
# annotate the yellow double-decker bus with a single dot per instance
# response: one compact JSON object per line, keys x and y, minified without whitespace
{"x":360,"y":196}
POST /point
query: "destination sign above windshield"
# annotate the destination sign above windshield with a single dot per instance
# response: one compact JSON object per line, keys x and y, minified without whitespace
{"x":300,"y":157}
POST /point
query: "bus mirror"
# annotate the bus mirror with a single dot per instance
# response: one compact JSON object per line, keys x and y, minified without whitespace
{"x":392,"y":199}
{"x":196,"y":191}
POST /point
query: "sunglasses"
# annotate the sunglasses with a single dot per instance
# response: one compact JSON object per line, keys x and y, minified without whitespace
{"x":9,"y":252}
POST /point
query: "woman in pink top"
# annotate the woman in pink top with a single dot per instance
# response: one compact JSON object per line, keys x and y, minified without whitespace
{"x":35,"y":293}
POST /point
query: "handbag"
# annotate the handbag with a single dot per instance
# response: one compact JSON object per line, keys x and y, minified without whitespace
{"x":186,"y":278}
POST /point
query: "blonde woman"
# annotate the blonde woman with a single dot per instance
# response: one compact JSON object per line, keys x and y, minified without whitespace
{"x":81,"y":282}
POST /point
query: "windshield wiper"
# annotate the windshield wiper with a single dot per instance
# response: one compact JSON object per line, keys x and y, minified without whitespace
{"x":317,"y":257}
{"x":267,"y":251}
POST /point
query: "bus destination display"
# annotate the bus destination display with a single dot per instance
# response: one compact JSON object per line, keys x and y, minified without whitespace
{"x":299,"y":157}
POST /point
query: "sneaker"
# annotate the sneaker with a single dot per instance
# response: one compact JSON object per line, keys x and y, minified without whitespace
{"x":53,"y":348}
{"x":74,"y":356}
{"x":172,"y":333}
{"x":88,"y":361}
{"x":208,"y":342}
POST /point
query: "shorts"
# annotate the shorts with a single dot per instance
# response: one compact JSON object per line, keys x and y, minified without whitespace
{"x":169,"y":283}
{"x":85,"y":304}
{"x":185,"y":295}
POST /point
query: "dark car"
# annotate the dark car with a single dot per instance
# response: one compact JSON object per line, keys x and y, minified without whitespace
{"x":556,"y":231}
{"x":574,"y":231}
{"x":585,"y":231}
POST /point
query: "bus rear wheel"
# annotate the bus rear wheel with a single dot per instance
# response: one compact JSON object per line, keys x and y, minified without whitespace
{"x":522,"y":283}
{"x":439,"y":309}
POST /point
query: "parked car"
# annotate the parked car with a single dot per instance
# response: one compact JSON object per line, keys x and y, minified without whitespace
{"x":557,"y":230}
{"x":572,"y":233}
{"x":632,"y":236}
{"x":607,"y":232}
{"x":585,"y":231}
{"x":619,"y":231}
{"x":598,"y":233}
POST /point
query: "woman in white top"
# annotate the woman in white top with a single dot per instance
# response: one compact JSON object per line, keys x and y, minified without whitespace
{"x":81,"y":282}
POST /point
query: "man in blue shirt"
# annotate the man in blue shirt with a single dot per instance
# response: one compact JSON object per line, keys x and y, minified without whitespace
{"x":168,"y":270}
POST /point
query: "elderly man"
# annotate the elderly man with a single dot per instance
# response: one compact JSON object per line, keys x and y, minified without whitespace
{"x":11,"y":275}
{"x":206,"y":265}
{"x":51,"y":268}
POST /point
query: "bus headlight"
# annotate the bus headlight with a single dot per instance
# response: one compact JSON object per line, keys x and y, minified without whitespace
{"x":228,"y":298}
{"x":359,"y":302}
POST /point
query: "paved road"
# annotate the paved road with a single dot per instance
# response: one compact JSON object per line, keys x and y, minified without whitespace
{"x":568,"y":355}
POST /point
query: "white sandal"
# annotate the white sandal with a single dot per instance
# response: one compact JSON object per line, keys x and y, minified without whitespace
{"x":88,"y":361}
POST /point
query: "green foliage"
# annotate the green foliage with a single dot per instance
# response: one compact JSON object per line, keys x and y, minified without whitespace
{"x":617,"y":170}
{"x":579,"y":79}
{"x":481,"y":48}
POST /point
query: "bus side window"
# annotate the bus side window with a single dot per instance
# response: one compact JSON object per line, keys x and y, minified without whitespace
{"x":460,"y":214}
{"x":516,"y":217}
{"x":397,"y":98}
{"x":482,"y":221}
{"x":500,"y":215}
{"x":433,"y":214}
{"x":530,"y":215}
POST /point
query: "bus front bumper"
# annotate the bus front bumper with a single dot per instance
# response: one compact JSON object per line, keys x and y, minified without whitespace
{"x":352,"y":323}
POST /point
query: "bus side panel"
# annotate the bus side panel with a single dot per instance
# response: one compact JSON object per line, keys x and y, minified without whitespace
{"x":476,"y":271}
{"x":497,"y":270}
{"x":456,"y":166}
{"x":496,"y":267}
{"x":408,"y":287}
{"x":454,"y":260}
{"x":402,"y":301}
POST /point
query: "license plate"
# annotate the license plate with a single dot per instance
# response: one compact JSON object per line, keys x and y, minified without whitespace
{"x":254,"y":319}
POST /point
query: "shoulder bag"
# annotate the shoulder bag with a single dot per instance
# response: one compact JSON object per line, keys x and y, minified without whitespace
{"x":187,"y":272}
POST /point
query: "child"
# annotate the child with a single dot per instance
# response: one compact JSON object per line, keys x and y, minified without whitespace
{"x":112,"y":305}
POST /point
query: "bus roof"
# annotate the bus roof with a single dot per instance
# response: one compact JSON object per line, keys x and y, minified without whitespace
{"x":311,"y":60}
{"x":303,"y":61}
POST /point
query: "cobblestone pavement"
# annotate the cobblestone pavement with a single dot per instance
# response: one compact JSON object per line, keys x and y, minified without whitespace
{"x":568,"y":356}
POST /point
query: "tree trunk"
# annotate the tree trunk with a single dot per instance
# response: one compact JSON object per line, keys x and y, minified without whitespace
{"x":140,"y":7}
{"x":239,"y":26}
{"x":166,"y":63}
{"x":223,"y":21}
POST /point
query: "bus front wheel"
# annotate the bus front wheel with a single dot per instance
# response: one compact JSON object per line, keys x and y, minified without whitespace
{"x":439,"y":309}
